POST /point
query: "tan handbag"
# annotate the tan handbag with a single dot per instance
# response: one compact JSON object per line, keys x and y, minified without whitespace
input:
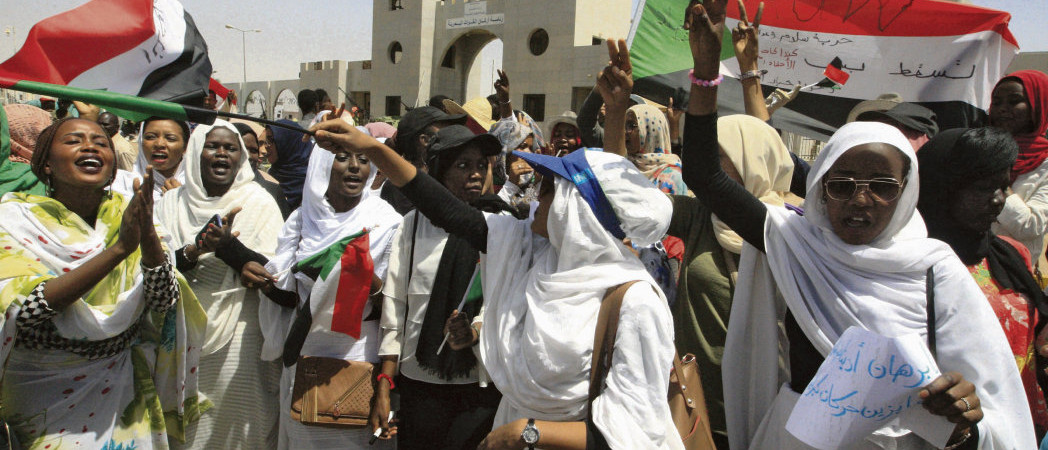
{"x":686,"y":399}
{"x":332,"y":392}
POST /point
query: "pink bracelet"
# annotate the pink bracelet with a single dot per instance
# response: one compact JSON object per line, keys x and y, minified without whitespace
{"x":705,"y":83}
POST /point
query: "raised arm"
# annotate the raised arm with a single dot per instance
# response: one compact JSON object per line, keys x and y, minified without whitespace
{"x":615,"y":84}
{"x":739,"y":209}
{"x":431,"y":198}
{"x":744,"y":37}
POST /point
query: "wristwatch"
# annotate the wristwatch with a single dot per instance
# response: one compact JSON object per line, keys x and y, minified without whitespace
{"x":530,"y":434}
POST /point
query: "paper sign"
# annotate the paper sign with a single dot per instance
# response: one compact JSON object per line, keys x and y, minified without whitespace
{"x":867,"y":382}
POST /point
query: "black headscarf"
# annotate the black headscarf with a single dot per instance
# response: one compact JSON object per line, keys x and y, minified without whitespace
{"x":292,"y":162}
{"x":949,"y":162}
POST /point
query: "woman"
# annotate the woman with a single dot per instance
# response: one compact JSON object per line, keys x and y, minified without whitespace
{"x":964,"y":175}
{"x":648,"y":146}
{"x":15,"y":176}
{"x":1019,"y":105}
{"x":292,"y":158}
{"x":521,"y":186}
{"x":564,"y":134}
{"x":161,"y":145}
{"x":442,"y":404}
{"x":754,"y":156}
{"x":219,"y":182}
{"x":858,"y":257}
{"x":250,"y":137}
{"x":101,"y":337}
{"x":544,"y":280}
{"x":335,"y":205}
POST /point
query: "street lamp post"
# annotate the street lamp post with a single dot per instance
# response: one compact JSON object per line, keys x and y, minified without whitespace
{"x":243,"y":51}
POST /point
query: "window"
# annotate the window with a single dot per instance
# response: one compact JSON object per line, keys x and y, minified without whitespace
{"x":396,"y":52}
{"x":393,"y":105}
{"x":449,"y":58}
{"x":538,"y":42}
{"x":366,"y":65}
{"x":597,"y":40}
{"x":578,"y":97}
{"x":535,"y":106}
{"x":319,"y":65}
{"x":395,"y":5}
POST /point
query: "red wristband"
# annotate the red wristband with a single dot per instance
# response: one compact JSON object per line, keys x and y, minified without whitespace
{"x":388,"y":378}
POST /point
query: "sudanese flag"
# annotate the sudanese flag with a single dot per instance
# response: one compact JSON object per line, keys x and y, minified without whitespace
{"x":346,"y":268}
{"x":143,"y":48}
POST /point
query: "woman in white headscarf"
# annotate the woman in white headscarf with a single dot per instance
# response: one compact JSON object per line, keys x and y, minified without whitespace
{"x":860,"y":256}
{"x":544,"y":280}
{"x":336,"y":204}
{"x":220,"y":184}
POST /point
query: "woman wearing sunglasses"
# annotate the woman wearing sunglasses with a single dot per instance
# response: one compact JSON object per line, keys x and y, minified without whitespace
{"x":860,"y":256}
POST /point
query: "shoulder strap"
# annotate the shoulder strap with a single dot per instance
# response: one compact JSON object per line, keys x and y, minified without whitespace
{"x":929,"y":293}
{"x":604,"y":337}
{"x":411,"y":268}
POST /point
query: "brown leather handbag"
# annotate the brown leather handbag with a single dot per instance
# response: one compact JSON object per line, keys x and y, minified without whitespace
{"x":686,"y":399}
{"x":332,"y":392}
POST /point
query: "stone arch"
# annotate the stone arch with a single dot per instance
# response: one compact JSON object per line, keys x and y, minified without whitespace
{"x":255,"y":105}
{"x":286,"y":106}
{"x":455,"y":65}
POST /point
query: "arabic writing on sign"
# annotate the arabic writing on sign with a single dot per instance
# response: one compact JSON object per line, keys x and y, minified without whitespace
{"x":957,"y":72}
{"x":794,"y":37}
{"x":476,"y":21}
{"x":866,"y":382}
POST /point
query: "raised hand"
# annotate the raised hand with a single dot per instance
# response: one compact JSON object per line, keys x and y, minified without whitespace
{"x":337,"y":135}
{"x":502,"y":95}
{"x":705,"y":23}
{"x":744,"y":38}
{"x":170,"y":184}
{"x":615,"y":82}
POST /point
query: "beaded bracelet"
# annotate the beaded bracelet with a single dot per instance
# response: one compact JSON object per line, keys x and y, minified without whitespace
{"x":704,"y":83}
{"x":388,"y":378}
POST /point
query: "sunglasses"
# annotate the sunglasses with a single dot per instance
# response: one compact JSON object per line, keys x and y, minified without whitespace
{"x":843,"y":189}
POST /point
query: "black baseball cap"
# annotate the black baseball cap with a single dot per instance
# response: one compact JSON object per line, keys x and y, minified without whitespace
{"x":416,"y":120}
{"x":909,"y":115}
{"x":457,"y":137}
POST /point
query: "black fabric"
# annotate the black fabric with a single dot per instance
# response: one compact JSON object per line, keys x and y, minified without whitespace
{"x":726,"y":198}
{"x":444,"y":416}
{"x":446,"y":211}
{"x":592,"y":132}
{"x":450,"y":284}
{"x":181,"y":262}
{"x":296,"y":335}
{"x":594,"y":439}
{"x":799,"y":183}
{"x":396,"y":199}
{"x":804,"y":358}
{"x":274,"y":191}
{"x":235,"y":254}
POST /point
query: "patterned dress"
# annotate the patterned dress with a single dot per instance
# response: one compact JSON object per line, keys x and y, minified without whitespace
{"x":1018,"y":318}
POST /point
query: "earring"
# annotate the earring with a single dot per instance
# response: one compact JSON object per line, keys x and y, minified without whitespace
{"x":48,"y":186}
{"x":109,"y":189}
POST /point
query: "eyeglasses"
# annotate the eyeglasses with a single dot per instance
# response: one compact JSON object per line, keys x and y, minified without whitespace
{"x":843,"y":189}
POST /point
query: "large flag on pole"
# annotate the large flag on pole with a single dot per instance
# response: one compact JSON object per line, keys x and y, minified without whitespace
{"x":144,"y":48}
{"x":945,"y":56}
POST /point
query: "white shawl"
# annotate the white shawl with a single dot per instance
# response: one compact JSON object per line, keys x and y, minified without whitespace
{"x":312,"y":228}
{"x":541,"y":303}
{"x":829,"y":286}
{"x":185,"y":210}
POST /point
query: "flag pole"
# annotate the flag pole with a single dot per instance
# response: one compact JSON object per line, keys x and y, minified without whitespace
{"x":289,"y":126}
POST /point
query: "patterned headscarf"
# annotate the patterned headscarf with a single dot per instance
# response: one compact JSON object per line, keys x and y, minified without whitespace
{"x":654,"y":158}
{"x":26,"y":122}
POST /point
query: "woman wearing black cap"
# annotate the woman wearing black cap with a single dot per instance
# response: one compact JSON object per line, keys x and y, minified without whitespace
{"x":443,"y":403}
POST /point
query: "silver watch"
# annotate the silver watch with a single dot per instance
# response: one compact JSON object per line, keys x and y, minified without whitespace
{"x":530,"y":434}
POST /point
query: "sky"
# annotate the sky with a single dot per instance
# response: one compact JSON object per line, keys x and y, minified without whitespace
{"x":316,"y":30}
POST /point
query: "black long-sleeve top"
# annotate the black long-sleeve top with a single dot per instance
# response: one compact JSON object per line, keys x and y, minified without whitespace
{"x":702,"y":172}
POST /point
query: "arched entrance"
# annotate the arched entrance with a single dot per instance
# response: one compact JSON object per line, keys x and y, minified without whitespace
{"x":466,"y":68}
{"x":255,"y":106}
{"x":286,"y":106}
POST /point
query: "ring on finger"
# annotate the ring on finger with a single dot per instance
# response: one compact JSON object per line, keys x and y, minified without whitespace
{"x":967,"y":406}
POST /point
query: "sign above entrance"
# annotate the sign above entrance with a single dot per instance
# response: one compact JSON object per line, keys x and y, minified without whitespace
{"x":476,"y":15}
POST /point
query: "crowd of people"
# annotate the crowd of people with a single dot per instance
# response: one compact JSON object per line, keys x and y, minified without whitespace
{"x":439,"y":283}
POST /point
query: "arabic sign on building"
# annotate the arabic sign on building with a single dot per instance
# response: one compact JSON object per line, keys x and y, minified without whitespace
{"x":476,"y":15}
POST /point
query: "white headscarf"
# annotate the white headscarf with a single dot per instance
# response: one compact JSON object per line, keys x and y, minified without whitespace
{"x":313,"y":227}
{"x":185,"y":210}
{"x":830,"y":286}
{"x":542,"y":296}
{"x":141,"y":162}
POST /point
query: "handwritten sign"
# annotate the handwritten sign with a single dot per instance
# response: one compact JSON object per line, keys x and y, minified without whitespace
{"x":868,"y":382}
